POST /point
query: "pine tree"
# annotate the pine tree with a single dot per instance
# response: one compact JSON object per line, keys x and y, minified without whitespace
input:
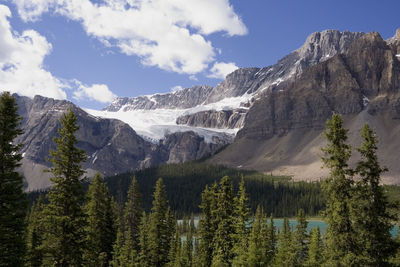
{"x":13,"y":203}
{"x":340,"y":236}
{"x":270,"y":241}
{"x":373,"y":221}
{"x":144,"y":254}
{"x":35,"y":234}
{"x":159,"y":235}
{"x":174,"y":255}
{"x":65,"y":219}
{"x":242,"y":212}
{"x":101,"y":230}
{"x":257,"y":251}
{"x":188,"y":244}
{"x":301,"y":238}
{"x":315,"y":249}
{"x":207,"y":224}
{"x":224,"y":235}
{"x":286,"y":255}
{"x":133,"y":213}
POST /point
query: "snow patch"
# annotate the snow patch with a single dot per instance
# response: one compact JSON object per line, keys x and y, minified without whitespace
{"x":155,"y":124}
{"x":365,"y":101}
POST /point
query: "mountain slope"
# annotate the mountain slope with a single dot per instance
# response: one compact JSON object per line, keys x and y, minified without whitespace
{"x":112,"y":146}
{"x":282,"y":131}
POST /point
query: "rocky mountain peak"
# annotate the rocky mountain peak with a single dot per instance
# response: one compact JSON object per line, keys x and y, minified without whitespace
{"x":320,"y":46}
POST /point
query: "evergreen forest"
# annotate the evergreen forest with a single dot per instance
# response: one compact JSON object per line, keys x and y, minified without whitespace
{"x":106,"y":225}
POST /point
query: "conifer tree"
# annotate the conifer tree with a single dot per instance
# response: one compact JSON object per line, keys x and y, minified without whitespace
{"x":241,"y":236}
{"x":118,"y":247}
{"x":340,"y":236}
{"x":159,"y":235}
{"x":301,"y":238}
{"x":315,"y":249}
{"x":144,"y":254}
{"x":13,"y":203}
{"x":35,"y":235}
{"x":188,"y":245}
{"x":207,"y":224}
{"x":257,"y":251}
{"x":224,"y":235}
{"x":174,"y":255}
{"x":65,"y":218}
{"x":373,"y":221}
{"x":286,"y":255}
{"x":133,"y":213}
{"x":100,"y":230}
{"x":270,"y":241}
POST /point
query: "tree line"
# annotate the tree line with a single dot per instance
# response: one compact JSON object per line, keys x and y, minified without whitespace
{"x":78,"y":229}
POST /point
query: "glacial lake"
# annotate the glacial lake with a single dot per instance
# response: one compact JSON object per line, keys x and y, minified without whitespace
{"x":311,"y":224}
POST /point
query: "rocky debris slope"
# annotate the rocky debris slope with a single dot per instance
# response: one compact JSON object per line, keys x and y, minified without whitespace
{"x":112,"y":146}
{"x":282,"y":131}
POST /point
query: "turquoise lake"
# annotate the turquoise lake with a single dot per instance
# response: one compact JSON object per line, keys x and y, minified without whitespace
{"x":311,"y":224}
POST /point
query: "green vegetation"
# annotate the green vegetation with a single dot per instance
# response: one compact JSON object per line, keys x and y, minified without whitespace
{"x":12,"y":199}
{"x":73,"y":229}
{"x":184,"y":183}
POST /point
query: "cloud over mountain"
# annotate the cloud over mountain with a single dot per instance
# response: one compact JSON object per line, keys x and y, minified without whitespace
{"x":168,"y":34}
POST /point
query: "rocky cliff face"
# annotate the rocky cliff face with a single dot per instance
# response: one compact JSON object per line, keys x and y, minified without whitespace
{"x":283,"y":130}
{"x":318,"y":47}
{"x":185,"y":98}
{"x":221,"y":119}
{"x":112,"y":146}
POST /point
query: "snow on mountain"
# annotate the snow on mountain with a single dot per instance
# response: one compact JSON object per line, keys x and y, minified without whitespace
{"x":154,"y":124}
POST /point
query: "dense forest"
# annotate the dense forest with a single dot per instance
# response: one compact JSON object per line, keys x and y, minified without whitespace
{"x":71,"y":227}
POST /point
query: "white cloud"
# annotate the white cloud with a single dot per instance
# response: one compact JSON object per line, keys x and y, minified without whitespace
{"x":169,"y":34}
{"x":21,"y":62}
{"x":97,"y":92}
{"x":22,"y":70}
{"x":221,"y":69}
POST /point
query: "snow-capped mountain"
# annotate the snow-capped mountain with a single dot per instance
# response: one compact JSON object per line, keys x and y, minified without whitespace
{"x":220,"y":111}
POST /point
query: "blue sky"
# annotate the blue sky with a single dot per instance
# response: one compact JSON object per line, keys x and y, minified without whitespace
{"x":92,"y":51}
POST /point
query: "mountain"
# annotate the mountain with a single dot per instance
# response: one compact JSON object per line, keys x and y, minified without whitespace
{"x":282,"y":131}
{"x":112,"y":146}
{"x":272,"y":117}
{"x":222,"y":108}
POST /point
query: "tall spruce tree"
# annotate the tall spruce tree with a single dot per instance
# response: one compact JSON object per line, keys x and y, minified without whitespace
{"x":301,"y":238}
{"x":34,"y":257}
{"x":270,"y":241}
{"x":133,"y":213}
{"x":101,"y":231}
{"x":144,"y":241}
{"x":224,"y":235}
{"x":65,"y":219}
{"x":286,"y":255}
{"x":315,"y":249}
{"x":242,"y":214}
{"x":159,"y":234}
{"x":372,"y":219}
{"x":256,"y":256}
{"x":340,"y":236}
{"x":207,"y":224}
{"x":13,"y":203}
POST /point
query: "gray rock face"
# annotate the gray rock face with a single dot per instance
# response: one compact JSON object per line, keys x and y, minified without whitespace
{"x":186,"y":146}
{"x":185,"y":98}
{"x":282,"y":131}
{"x":111,"y":146}
{"x":223,"y":119}
{"x":318,"y":47}
{"x":341,"y":85}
